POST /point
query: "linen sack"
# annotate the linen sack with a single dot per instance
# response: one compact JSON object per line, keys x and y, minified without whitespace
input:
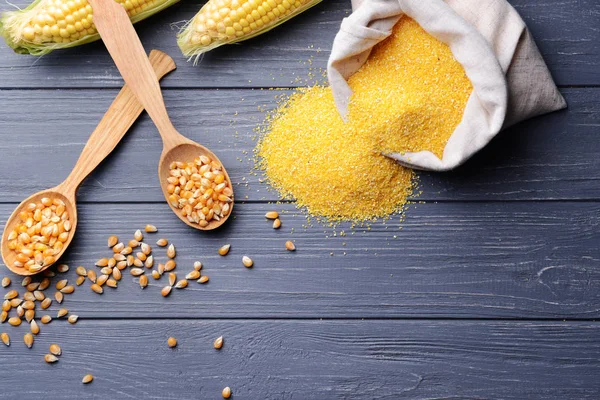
{"x":488,"y":37}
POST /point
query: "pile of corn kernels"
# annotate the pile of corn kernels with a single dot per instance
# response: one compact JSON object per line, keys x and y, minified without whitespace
{"x":40,"y":235}
{"x":200,"y":190}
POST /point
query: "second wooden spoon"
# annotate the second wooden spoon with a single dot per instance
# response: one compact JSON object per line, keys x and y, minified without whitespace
{"x":127,"y":52}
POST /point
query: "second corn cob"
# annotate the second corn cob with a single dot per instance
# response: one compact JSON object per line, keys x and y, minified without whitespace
{"x":46,"y":25}
{"x":222,"y":22}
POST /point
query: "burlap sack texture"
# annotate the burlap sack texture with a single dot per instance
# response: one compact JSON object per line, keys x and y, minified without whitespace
{"x":510,"y":80}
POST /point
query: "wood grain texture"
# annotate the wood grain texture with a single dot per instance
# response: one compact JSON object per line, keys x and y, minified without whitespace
{"x":514,"y":237}
{"x":565,"y":31}
{"x":553,"y":157}
{"x":308,"y":360}
{"x":449,"y":260}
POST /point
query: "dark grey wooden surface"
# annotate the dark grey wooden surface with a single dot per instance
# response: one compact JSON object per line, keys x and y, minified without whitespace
{"x":310,"y":359}
{"x":488,"y":289}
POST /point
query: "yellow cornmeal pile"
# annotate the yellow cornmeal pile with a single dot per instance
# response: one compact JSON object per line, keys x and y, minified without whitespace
{"x":409,"y":96}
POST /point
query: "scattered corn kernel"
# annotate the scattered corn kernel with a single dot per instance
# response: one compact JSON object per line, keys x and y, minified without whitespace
{"x":34,"y":327}
{"x":151,"y":228}
{"x":29,"y":315}
{"x":247,"y":261}
{"x":62,"y":268}
{"x":28,"y":339}
{"x":223,"y":250}
{"x":55,"y":349}
{"x":193,"y":275}
{"x":172,"y":278}
{"x":110,"y":282}
{"x":112,"y":241}
{"x":97,"y":288}
{"x":182,"y":284}
{"x":58,"y":296}
{"x":68,"y":289}
{"x":272,"y":215}
{"x":143,"y":281}
{"x":171,"y":253}
{"x":103,"y":262}
{"x":172,"y":342}
{"x":102,"y":279}
{"x":50,"y":358}
{"x":169,"y":266}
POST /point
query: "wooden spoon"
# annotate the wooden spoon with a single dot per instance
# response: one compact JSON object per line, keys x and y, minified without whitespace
{"x":121,"y":114}
{"x":127,"y":52}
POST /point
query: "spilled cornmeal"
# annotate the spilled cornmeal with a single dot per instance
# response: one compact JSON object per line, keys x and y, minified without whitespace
{"x":409,"y":96}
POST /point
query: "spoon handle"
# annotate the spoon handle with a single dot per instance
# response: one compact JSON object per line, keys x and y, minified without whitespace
{"x":121,"y":114}
{"x":126,"y":50}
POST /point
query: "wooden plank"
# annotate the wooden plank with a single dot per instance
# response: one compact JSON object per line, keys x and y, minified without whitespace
{"x":450,"y":260}
{"x":572,"y":50}
{"x":553,"y":157}
{"x":308,"y":360}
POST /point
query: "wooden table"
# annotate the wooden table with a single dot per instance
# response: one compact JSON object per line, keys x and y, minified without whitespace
{"x":489,"y":290}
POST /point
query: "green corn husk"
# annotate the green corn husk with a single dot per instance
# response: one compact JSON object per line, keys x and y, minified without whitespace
{"x":198,"y":36}
{"x":13,"y":24}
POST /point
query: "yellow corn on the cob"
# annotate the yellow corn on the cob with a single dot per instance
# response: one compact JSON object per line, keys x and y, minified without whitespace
{"x":47,"y":25}
{"x":222,"y":22}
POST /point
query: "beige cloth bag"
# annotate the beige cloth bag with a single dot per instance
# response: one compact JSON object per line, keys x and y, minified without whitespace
{"x":488,"y":37}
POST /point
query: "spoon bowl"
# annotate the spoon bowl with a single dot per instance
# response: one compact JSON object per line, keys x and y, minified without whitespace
{"x":186,"y":152}
{"x":122,"y":113}
{"x":9,"y":256}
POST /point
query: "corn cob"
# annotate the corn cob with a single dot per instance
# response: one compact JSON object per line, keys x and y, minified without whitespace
{"x":48,"y":25}
{"x":222,"y":22}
